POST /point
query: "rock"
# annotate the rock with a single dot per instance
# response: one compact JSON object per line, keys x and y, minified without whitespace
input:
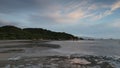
{"x":79,"y":61}
{"x":14,"y":58}
{"x":106,"y":65}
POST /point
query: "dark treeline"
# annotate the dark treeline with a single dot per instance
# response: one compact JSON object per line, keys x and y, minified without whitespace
{"x":12,"y":32}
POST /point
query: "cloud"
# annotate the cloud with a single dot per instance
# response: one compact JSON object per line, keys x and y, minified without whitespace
{"x":70,"y":12}
{"x":101,"y":15}
{"x":115,"y":6}
{"x":109,"y":11}
{"x":115,"y":24}
{"x":4,"y":22}
{"x":62,"y":13}
{"x":19,"y":6}
{"x":93,"y":7}
{"x":77,"y":10}
{"x":58,"y":17}
{"x":7,"y":22}
{"x":12,"y":6}
{"x":72,"y":16}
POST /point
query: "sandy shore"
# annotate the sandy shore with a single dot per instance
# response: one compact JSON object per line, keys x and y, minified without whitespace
{"x":38,"y":54}
{"x":11,"y":48}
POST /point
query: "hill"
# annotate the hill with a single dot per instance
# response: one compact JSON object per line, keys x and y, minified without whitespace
{"x":12,"y":32}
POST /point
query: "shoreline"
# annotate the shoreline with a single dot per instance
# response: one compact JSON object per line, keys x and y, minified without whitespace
{"x":13,"y":55}
{"x":11,"y":48}
{"x":57,"y":61}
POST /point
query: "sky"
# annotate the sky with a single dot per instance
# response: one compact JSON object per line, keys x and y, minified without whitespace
{"x":89,"y":18}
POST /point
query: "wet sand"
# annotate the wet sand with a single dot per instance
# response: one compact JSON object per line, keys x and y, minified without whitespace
{"x":13,"y":48}
{"x":41,"y":54}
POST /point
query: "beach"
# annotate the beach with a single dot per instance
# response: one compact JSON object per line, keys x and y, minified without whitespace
{"x":59,"y":54}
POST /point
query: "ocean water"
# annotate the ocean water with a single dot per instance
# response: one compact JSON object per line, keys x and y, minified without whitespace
{"x":97,"y":47}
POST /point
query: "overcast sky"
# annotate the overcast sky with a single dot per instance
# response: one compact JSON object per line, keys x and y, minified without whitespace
{"x":91,"y":18}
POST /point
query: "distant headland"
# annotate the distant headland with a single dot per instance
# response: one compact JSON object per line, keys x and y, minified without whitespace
{"x":12,"y":32}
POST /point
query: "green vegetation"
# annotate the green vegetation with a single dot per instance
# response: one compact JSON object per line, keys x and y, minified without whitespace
{"x":12,"y":32}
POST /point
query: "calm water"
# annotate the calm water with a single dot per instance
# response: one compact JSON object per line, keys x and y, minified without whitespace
{"x":98,"y":47}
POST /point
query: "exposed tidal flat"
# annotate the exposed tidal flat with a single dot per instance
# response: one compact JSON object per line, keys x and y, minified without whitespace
{"x":60,"y":54}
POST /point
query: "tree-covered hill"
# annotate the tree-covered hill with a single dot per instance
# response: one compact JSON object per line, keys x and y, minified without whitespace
{"x":12,"y":32}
